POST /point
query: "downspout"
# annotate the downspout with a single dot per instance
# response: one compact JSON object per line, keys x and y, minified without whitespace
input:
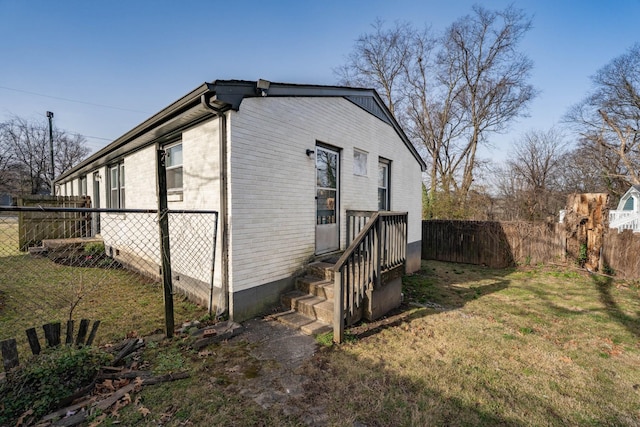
{"x":223,"y":214}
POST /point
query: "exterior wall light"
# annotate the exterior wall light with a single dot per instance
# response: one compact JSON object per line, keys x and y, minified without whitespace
{"x":262,"y":86}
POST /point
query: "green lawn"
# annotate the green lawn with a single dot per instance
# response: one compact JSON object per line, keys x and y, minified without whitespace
{"x":34,"y":291}
{"x":542,"y":346}
{"x":530,"y":347}
{"x":470,"y":346}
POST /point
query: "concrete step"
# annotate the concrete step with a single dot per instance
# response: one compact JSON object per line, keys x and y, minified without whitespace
{"x":315,"y":286}
{"x":307,"y":325}
{"x":321,"y":269}
{"x":310,"y":305}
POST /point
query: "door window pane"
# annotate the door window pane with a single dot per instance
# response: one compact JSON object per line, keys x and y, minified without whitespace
{"x":327,"y":168}
{"x":326,"y":207}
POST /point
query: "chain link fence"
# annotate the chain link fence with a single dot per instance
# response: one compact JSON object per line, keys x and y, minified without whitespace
{"x":58,"y":264}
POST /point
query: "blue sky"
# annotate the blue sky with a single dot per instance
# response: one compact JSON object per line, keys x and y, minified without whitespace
{"x":126,"y":60}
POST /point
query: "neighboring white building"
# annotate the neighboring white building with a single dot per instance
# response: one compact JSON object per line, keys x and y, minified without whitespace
{"x":627,"y":215}
{"x":294,"y":159}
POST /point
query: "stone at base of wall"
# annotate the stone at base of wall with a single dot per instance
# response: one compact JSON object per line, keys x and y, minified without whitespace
{"x":250,"y":303}
{"x":414,"y":256}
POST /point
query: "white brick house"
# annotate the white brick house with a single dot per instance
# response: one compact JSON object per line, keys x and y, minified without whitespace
{"x":282,"y":163}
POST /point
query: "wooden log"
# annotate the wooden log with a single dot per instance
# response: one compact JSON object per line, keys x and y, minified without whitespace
{"x":9,"y":354}
{"x":62,"y":412}
{"x":106,"y":403}
{"x":128,"y":374}
{"x":94,"y":330}
{"x":52,"y":334}
{"x":82,"y":332}
{"x":72,"y":420}
{"x":69,"y":338}
{"x":32,"y":336}
{"x":132,"y":345}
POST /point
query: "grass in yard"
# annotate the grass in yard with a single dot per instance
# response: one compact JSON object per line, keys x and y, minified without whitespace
{"x":9,"y":236}
{"x":36,"y":291}
{"x":541,"y":346}
{"x":470,"y":346}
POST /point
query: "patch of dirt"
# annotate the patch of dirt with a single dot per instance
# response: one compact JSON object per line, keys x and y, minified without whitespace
{"x":282,"y":381}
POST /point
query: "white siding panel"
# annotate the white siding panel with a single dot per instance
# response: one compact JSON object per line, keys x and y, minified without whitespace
{"x":140,"y":179}
{"x":135,"y":236}
{"x":272,"y":184}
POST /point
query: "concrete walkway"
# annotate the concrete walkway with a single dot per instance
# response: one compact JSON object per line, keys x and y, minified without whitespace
{"x":280,"y":383}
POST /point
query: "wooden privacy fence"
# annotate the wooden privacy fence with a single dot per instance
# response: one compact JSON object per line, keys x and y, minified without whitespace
{"x":33,"y":227}
{"x":491,"y":243}
{"x":620,"y":254}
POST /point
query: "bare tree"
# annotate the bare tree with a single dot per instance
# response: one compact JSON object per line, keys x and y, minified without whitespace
{"x":449,"y":92}
{"x":532,"y":178}
{"x":378,"y":60}
{"x":583,"y":171}
{"x":494,"y":89}
{"x":608,"y":120}
{"x":25,"y":155}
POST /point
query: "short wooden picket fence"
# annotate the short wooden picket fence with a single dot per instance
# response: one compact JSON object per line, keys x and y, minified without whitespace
{"x":52,"y":336}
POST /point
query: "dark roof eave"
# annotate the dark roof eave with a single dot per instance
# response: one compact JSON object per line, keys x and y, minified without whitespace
{"x":233,"y":92}
{"x":187,"y":102}
{"x":222,"y":95}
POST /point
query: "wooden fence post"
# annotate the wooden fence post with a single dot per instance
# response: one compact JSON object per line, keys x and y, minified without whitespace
{"x":9,"y":354}
{"x":82,"y":331}
{"x":52,"y":334}
{"x":32,"y":336}
{"x":165,"y":247}
{"x":92,"y":334}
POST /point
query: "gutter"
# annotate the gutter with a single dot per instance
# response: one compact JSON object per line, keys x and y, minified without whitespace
{"x":220,"y":111}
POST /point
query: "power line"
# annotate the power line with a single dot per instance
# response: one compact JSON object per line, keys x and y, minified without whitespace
{"x":95,"y":137}
{"x":73,"y":100}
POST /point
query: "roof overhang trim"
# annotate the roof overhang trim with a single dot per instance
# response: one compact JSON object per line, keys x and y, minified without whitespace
{"x":211,"y":99}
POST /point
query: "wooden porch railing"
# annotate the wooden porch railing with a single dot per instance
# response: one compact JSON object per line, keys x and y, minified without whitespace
{"x":356,"y":220}
{"x":379,"y":246}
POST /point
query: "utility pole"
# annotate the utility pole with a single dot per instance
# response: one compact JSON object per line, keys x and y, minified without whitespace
{"x":53,"y":172}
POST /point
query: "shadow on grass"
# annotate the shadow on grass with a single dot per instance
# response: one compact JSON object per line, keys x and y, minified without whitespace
{"x":437,"y":287}
{"x":356,"y":391}
{"x":604,"y":286}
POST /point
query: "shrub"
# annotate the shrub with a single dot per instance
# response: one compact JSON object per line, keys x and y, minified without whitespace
{"x":47,"y":380}
{"x":95,"y":248}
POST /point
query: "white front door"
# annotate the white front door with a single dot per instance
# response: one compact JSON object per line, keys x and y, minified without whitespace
{"x":327,"y":199}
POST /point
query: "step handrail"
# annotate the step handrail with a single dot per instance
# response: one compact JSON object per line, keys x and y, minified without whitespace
{"x":380,"y":245}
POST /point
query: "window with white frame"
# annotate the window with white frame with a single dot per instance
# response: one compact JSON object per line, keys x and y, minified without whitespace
{"x":173,"y":166}
{"x":116,"y":186}
{"x":82,"y":186}
{"x":359,"y":162}
{"x":383,"y":185}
